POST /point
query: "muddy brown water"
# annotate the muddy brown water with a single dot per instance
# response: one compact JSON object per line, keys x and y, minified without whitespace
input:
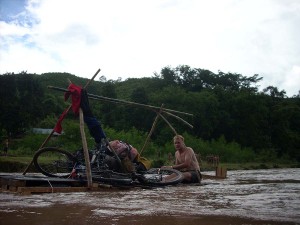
{"x":263,"y":197}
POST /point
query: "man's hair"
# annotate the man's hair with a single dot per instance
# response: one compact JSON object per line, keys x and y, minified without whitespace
{"x":179,"y":137}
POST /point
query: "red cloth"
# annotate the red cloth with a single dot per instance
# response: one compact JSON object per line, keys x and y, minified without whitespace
{"x":58,"y":127}
{"x":75,"y":91}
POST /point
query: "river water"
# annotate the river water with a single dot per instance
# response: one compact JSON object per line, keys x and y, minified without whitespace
{"x":265,"y":197}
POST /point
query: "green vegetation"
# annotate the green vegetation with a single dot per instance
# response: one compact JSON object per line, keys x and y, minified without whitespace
{"x":232,"y":119}
{"x":232,"y":155}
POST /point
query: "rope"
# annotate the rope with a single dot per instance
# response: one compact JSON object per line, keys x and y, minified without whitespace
{"x":50,"y":186}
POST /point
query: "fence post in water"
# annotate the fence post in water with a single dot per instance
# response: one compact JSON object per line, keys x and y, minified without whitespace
{"x":221,"y":172}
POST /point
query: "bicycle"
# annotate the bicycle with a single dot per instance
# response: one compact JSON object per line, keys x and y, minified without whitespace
{"x":56,"y":162}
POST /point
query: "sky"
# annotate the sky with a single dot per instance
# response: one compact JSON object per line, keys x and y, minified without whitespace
{"x":137,"y":38}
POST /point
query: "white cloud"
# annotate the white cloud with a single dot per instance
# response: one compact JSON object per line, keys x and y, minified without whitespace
{"x":136,"y":38}
{"x":291,"y":81}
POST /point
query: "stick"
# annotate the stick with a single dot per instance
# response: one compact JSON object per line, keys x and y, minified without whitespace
{"x":177,"y":117}
{"x":172,"y":128}
{"x":85,"y":150}
{"x":49,"y":136}
{"x":152,"y":128}
{"x":89,"y":81}
{"x":98,"y":97}
{"x":135,"y":103}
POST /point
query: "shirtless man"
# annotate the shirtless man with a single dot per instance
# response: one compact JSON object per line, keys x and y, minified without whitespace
{"x":186,"y":161}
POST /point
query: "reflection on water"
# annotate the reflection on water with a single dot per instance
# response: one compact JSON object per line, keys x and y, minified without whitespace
{"x":245,"y":197}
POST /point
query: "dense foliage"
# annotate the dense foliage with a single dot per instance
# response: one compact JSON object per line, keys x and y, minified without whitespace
{"x":231,"y":117}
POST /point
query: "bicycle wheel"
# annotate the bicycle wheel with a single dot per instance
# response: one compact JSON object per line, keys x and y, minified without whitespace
{"x":54,"y":162}
{"x":162,"y":177}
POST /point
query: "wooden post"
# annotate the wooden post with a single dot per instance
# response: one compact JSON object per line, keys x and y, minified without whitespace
{"x":221,"y":172}
{"x":85,"y":151}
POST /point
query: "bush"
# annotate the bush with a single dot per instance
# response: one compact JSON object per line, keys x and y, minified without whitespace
{"x":71,"y":140}
{"x":28,"y":145}
{"x":228,"y":152}
{"x":266,"y":155}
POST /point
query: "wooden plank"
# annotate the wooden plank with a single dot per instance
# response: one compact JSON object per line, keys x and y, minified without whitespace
{"x":27,"y":190}
{"x":9,"y":184}
{"x":16,"y":183}
{"x":32,"y":190}
{"x":4,"y":183}
{"x":4,"y":187}
{"x":41,"y":184}
{"x":27,"y":185}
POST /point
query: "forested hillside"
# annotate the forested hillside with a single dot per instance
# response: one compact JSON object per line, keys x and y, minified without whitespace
{"x":225,"y":106}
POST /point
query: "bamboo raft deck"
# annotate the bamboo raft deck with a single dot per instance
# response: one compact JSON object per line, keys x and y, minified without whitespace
{"x":32,"y":183}
{"x":37,"y":183}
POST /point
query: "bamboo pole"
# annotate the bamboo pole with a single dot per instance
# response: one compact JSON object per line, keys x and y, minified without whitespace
{"x":152,"y":129}
{"x":182,"y":120}
{"x":89,"y":81}
{"x":136,"y":104}
{"x":172,"y":128}
{"x":67,"y":110}
{"x":85,"y":151}
{"x":98,"y":97}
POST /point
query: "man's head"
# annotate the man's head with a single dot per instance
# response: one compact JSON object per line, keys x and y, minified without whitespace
{"x":179,"y":142}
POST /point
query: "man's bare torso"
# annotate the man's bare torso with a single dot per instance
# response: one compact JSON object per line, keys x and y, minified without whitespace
{"x":187,"y":154}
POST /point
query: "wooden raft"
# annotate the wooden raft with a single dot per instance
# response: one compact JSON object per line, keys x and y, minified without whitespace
{"x":31,"y":184}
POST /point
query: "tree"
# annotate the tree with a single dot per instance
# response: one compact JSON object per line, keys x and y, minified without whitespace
{"x":106,"y":111}
{"x":250,"y":115}
{"x":274,"y":92}
{"x":11,"y":111}
{"x":21,"y":97}
{"x":168,"y":75}
{"x":139,"y":115}
{"x":31,"y":95}
{"x":286,"y":128}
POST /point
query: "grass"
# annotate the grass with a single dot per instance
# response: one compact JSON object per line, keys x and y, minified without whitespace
{"x":15,"y":164}
{"x":16,"y":159}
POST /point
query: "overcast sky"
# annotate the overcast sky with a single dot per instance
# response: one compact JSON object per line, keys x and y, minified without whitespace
{"x":135,"y":38}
